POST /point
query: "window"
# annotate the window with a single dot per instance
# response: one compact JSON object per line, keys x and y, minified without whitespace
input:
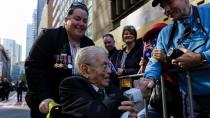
{"x":121,"y":8}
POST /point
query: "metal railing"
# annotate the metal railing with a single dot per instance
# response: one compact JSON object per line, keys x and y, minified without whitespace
{"x":189,"y":81}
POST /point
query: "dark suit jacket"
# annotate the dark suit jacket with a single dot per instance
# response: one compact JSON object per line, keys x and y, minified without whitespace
{"x":42,"y":77}
{"x":79,"y":100}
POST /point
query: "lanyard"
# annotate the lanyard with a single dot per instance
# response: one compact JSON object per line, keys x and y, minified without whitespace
{"x":198,"y":21}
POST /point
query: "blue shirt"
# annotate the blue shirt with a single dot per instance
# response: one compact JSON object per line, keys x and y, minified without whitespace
{"x":201,"y":78}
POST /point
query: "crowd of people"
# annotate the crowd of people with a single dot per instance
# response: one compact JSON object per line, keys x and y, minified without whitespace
{"x":6,"y":87}
{"x":65,"y":67}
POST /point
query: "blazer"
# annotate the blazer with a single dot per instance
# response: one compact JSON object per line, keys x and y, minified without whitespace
{"x":79,"y":100}
{"x":42,"y":74}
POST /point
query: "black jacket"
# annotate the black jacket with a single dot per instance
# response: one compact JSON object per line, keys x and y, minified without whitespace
{"x":80,"y":100}
{"x":42,"y":76}
{"x":133,"y":58}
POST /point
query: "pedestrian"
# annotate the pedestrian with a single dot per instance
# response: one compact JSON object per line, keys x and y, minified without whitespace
{"x":1,"y":90}
{"x":20,"y":85}
{"x":52,"y":58}
{"x":90,"y":95}
{"x":6,"y":88}
{"x":189,"y":34}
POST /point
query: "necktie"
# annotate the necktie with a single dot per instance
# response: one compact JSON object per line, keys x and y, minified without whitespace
{"x":101,"y":94}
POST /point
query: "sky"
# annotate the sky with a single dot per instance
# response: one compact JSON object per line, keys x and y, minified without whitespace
{"x":14,"y":17}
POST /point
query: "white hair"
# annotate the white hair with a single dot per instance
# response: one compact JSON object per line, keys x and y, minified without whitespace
{"x":88,"y":55}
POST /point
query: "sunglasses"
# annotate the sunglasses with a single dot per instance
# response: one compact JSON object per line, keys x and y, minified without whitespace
{"x":80,"y":5}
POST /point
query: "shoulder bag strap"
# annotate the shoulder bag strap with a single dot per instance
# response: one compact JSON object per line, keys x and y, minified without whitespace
{"x":172,"y":34}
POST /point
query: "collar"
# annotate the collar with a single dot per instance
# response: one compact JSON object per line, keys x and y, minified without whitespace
{"x":187,"y":19}
{"x":95,"y":87}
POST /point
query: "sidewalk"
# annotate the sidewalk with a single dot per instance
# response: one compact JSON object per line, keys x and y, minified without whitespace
{"x":12,"y":102}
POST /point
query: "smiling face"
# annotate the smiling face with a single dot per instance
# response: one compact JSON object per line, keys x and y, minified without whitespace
{"x":128,"y":37}
{"x":109,"y":42}
{"x":129,"y":34}
{"x":76,"y":24}
{"x":175,"y":9}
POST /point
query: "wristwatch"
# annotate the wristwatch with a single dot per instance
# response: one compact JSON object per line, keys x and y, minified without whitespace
{"x":203,"y":58}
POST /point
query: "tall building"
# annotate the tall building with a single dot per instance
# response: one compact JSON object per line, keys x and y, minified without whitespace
{"x":34,"y":25}
{"x":13,"y":50}
{"x":40,"y":6}
{"x":44,"y":19}
{"x":18,"y":70}
{"x":57,"y":10}
{"x":4,"y":64}
{"x":89,"y":31}
{"x":37,"y":15}
{"x":9,"y":46}
{"x":18,"y":52}
{"x":29,"y":38}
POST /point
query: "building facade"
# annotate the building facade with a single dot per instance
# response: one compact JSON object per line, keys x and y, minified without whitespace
{"x":109,"y":16}
{"x":4,"y":64}
{"x":29,"y":38}
{"x":13,"y":51}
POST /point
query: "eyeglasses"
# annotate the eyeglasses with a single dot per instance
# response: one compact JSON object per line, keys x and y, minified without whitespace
{"x":78,"y":5}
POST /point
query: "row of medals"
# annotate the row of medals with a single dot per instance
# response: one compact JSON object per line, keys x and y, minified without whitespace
{"x":63,"y":61}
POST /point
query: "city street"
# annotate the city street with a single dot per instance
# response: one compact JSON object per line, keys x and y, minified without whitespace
{"x":14,"y":109}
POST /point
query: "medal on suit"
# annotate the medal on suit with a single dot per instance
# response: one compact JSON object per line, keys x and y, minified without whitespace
{"x":64,"y":57}
{"x":69,"y":66}
{"x":60,"y":65}
{"x":56,"y":65}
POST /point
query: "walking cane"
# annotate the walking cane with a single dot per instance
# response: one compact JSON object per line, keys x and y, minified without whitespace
{"x":163,"y":97}
{"x":146,"y":107}
{"x":189,"y":81}
{"x":141,"y":71}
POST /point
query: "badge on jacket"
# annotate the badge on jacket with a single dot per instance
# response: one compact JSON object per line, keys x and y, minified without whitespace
{"x":63,"y":60}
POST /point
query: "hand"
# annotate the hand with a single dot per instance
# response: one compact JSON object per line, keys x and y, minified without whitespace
{"x":188,"y":59}
{"x":142,"y":65}
{"x":143,"y":62}
{"x":44,"y":105}
{"x":145,"y":85}
{"x":119,"y":71}
{"x":159,"y":55}
{"x":129,"y":106}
